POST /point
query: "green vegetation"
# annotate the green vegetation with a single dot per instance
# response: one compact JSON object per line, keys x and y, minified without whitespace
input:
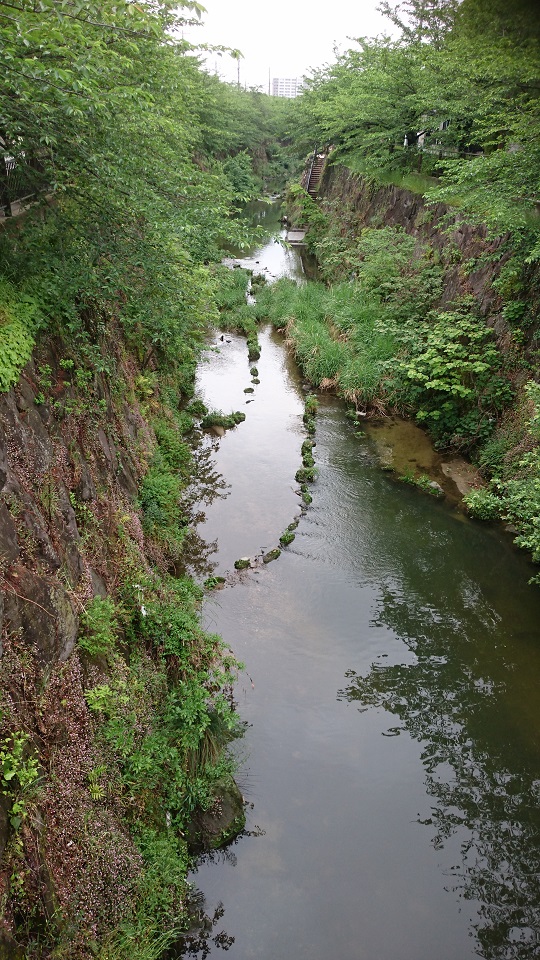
{"x":454,"y":96}
{"x":99,"y":626}
{"x":235,"y":313}
{"x":381,"y":340}
{"x":19,"y":321}
{"x":80,"y":88}
{"x":225,"y":420}
{"x":160,"y":495}
{"x":422,"y":482}
{"x":483,"y":504}
{"x":137,"y":162}
{"x":161,"y":721}
{"x":286,"y":538}
{"x":449,"y":109}
{"x":18,"y":772}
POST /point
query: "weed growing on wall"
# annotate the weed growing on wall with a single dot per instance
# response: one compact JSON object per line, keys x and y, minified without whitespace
{"x":20,"y":317}
{"x":457,"y":380}
{"x":19,"y":770}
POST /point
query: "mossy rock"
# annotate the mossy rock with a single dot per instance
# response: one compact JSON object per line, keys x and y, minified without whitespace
{"x":305,"y":475}
{"x":242,"y":564}
{"x":271,"y":555}
{"x":219,"y":825}
{"x":225,"y":420}
{"x":311,"y":405}
{"x":286,"y":538}
{"x":249,"y":390}
{"x":214,"y":583}
{"x":254,"y":372}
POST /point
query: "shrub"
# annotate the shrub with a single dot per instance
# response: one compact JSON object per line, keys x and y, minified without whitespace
{"x":159,"y":498}
{"x":174,"y":452}
{"x":99,"y":626}
{"x":456,"y":377}
{"x":483,"y":504}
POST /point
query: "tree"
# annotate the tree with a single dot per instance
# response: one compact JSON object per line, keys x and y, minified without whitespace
{"x":460,"y":89}
{"x":111,"y":104}
{"x":422,"y":21}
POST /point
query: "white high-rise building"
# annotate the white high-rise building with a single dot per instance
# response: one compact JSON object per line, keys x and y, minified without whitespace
{"x":286,"y":87}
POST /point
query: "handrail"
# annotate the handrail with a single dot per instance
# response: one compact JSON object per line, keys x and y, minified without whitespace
{"x":312,"y":163}
{"x":311,"y":167}
{"x":19,"y":181}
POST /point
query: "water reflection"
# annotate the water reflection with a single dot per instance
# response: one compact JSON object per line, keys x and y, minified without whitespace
{"x":482,"y":780}
{"x":273,"y":258}
{"x":202,"y":938}
{"x":208,"y":485}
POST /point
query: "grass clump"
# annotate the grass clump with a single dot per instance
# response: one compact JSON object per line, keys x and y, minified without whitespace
{"x":230,"y":289}
{"x":225,"y":420}
{"x":235,"y":313}
{"x":197,"y":409}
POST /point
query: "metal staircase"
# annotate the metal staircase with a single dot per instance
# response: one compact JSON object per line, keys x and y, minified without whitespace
{"x":315,"y":173}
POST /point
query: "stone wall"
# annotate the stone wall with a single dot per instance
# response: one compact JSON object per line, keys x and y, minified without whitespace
{"x":359,"y":204}
{"x":70,"y":464}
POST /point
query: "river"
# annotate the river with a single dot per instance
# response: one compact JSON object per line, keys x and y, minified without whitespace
{"x":391,"y":763}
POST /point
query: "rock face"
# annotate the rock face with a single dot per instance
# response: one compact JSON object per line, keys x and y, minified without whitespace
{"x":70,"y":463}
{"x":362,"y":205}
{"x":52,"y":461}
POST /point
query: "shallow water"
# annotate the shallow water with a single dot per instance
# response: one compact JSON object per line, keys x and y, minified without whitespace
{"x":392,"y":758}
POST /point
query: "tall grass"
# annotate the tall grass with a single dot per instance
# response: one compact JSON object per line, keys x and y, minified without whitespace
{"x":230,"y":288}
{"x":335,"y":333}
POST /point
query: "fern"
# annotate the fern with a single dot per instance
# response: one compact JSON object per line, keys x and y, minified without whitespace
{"x":19,"y":317}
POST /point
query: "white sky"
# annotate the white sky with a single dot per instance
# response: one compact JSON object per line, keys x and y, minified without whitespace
{"x":286,"y":37}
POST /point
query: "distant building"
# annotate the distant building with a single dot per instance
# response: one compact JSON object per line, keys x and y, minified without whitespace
{"x":286,"y":87}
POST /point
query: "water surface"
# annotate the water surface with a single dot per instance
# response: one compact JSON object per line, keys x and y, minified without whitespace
{"x":392,"y":759}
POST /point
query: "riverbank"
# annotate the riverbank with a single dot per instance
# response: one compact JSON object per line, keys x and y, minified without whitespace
{"x":423,"y":321}
{"x":116,"y":706}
